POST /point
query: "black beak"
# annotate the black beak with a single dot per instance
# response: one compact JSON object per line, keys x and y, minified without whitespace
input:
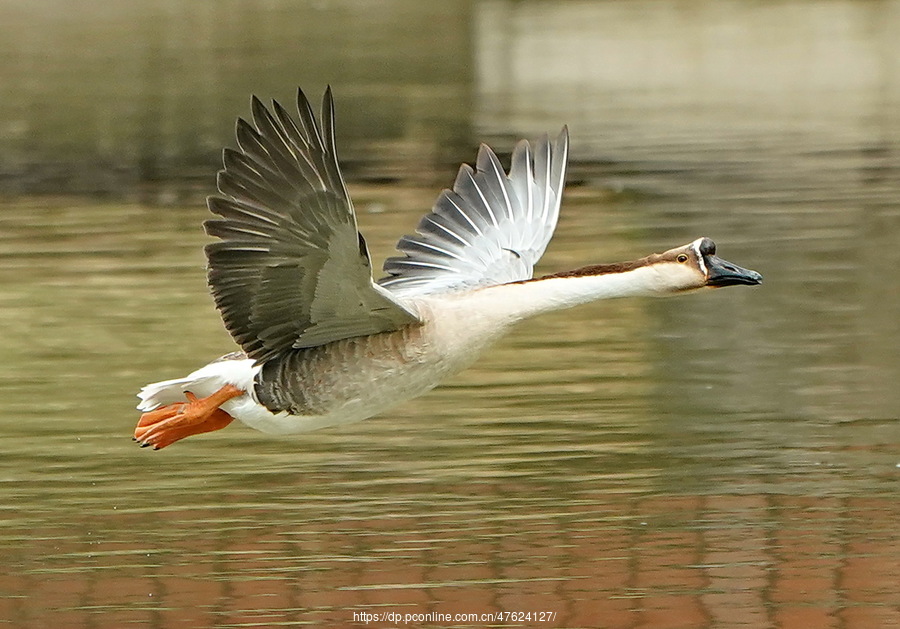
{"x":723,"y":273}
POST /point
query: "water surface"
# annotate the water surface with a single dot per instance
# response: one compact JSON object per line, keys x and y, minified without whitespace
{"x":727,"y":459}
{"x":712,"y":459}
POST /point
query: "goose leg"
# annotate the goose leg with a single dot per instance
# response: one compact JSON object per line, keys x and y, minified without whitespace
{"x":164,"y":426}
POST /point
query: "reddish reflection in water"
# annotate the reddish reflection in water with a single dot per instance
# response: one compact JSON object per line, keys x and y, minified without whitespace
{"x":772,"y":560}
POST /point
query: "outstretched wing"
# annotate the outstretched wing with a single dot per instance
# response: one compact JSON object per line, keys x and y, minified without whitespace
{"x":291,"y":269}
{"x":491,"y":228}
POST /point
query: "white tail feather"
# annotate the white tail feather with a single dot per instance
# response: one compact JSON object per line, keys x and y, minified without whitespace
{"x":161,"y":393}
{"x":203,"y":382}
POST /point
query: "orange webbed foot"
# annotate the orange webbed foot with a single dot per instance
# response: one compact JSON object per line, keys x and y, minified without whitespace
{"x":164,"y":426}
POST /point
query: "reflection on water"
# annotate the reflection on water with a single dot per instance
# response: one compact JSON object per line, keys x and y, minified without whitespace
{"x":701,"y":461}
{"x":724,"y":459}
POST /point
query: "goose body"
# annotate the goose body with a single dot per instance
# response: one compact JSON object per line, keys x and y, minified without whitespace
{"x":321,"y":342}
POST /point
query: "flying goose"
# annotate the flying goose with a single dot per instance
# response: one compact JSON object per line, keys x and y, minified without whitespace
{"x":322,"y":343}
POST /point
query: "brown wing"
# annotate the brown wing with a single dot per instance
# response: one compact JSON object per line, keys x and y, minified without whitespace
{"x":291,"y":270}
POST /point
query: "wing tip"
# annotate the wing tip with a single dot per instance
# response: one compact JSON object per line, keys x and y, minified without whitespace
{"x":562,"y":141}
{"x":302,"y":98}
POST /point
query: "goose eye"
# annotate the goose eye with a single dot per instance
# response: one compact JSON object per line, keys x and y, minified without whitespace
{"x":682,"y":257}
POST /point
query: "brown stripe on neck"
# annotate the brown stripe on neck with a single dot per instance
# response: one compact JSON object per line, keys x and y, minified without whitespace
{"x":599,"y":269}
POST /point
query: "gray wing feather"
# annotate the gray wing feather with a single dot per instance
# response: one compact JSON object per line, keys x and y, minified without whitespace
{"x":291,"y":269}
{"x":490,"y":228}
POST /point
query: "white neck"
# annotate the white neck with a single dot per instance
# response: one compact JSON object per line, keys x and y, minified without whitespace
{"x":517,"y":301}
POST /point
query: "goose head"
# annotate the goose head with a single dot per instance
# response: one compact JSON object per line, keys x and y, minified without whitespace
{"x":696,"y":265}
